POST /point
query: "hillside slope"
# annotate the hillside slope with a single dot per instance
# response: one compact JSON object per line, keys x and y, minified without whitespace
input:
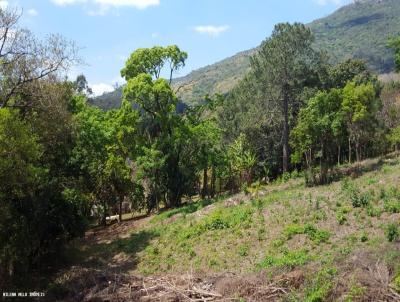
{"x":359,"y":30}
{"x":286,"y":242}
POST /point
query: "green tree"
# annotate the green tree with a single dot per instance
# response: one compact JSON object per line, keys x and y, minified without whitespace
{"x":359,"y":107}
{"x":160,"y":128}
{"x":284,"y":66}
{"x":319,"y":132}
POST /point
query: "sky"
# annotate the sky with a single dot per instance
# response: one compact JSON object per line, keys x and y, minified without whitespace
{"x":108,"y":31}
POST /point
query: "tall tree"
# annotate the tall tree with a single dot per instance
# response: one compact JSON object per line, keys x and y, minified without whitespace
{"x":160,"y":129}
{"x":284,"y":66}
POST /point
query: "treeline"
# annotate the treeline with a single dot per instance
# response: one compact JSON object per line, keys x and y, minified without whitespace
{"x":61,"y":158}
{"x":299,"y":112}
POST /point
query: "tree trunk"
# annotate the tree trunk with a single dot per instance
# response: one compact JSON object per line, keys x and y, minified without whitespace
{"x":104,"y":215}
{"x":213,"y":179}
{"x":120,"y":208}
{"x":357,"y":151}
{"x":285,"y":153}
{"x":205,"y":183}
{"x":349,"y":150}
{"x":338,"y":158}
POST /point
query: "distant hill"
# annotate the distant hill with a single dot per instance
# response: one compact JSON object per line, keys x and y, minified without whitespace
{"x":358,"y":30}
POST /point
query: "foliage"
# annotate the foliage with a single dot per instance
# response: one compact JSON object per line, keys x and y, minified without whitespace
{"x":392,"y":232}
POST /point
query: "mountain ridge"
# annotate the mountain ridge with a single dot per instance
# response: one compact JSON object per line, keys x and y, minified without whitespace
{"x":357,"y":30}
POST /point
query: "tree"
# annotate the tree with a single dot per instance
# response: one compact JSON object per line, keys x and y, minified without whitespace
{"x":342,"y":73}
{"x":284,"y":66}
{"x":160,"y":129}
{"x":25,"y":60}
{"x":35,"y":217}
{"x":241,"y":161}
{"x":104,"y":143}
{"x":359,"y":108}
{"x":319,"y":132}
{"x":82,"y":86}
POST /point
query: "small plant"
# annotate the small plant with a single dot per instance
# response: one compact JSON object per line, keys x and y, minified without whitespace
{"x":364,"y":237}
{"x":391,"y":205}
{"x":288,"y":259}
{"x":392,"y":232}
{"x":373,"y":211}
{"x":396,"y":283}
{"x":243,"y":250}
{"x":357,"y":198}
{"x":312,"y":232}
{"x":321,"y":286}
{"x":341,"y":218}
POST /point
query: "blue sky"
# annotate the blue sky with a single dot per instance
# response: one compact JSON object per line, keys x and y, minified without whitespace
{"x":209,"y":30}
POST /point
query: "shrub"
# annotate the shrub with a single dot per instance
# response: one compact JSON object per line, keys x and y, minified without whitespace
{"x":312,"y":232}
{"x":392,"y":232}
{"x":321,"y":286}
{"x":288,"y":259}
{"x":341,"y":218}
{"x":357,"y":198}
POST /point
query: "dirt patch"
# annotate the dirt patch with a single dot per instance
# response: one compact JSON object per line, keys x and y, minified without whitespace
{"x":118,"y":230}
{"x":370,"y":274}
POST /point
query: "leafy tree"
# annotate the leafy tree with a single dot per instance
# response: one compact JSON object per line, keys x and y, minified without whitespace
{"x":342,"y":73}
{"x":161,"y":130}
{"x":319,"y":132}
{"x":104,"y":143}
{"x":36,"y":218}
{"x":241,"y":160}
{"x":359,"y":107}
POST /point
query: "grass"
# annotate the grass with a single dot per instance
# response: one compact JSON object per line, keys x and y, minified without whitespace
{"x":288,"y":227}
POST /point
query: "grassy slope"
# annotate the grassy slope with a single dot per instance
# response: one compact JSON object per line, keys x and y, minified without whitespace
{"x":340,"y":249}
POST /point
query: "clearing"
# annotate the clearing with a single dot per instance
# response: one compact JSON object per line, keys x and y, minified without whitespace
{"x":282,"y":242}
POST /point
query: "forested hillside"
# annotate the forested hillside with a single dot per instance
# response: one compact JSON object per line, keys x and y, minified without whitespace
{"x":359,"y":30}
{"x":284,"y":189}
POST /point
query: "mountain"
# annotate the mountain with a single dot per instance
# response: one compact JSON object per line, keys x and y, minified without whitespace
{"x":358,"y":30}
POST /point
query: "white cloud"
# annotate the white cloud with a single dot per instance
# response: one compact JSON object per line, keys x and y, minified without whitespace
{"x":67,"y":2}
{"x":101,"y":7}
{"x":100,"y":88}
{"x":211,"y":30}
{"x":3,"y":4}
{"x":32,"y":12}
{"x":140,"y":4}
{"x":335,"y":2}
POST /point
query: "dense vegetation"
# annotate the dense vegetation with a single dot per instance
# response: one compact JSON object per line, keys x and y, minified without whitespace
{"x":65,"y":162}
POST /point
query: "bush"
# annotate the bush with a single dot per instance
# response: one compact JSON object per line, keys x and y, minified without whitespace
{"x":288,"y":259}
{"x":321,"y":286}
{"x":357,"y":198}
{"x":392,"y":232}
{"x":312,"y":232}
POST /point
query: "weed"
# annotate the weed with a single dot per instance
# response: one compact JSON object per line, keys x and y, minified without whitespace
{"x":396,"y":283}
{"x":312,"y":232}
{"x":356,"y":291}
{"x":288,"y":259}
{"x":321,"y":285}
{"x":364,"y":237}
{"x":243,"y":250}
{"x":392,"y":232}
{"x":357,"y":198}
{"x":373,"y":211}
{"x":341,"y":218}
